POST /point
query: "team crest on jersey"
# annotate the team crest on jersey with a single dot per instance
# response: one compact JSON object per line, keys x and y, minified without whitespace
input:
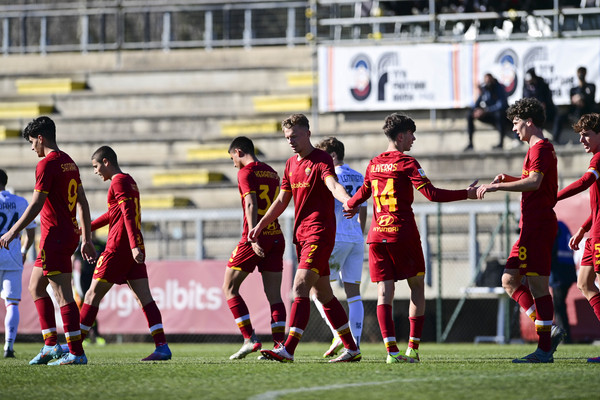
{"x":385,"y":220}
{"x":422,"y":173}
{"x":307,"y":171}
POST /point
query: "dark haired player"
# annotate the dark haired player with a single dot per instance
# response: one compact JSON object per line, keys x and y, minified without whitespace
{"x":258,"y":184}
{"x":57,"y":195}
{"x":123,"y":258}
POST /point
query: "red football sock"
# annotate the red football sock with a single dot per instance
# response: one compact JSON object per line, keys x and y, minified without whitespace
{"x":416,"y":330}
{"x":241,"y":314}
{"x":595,"y":303}
{"x":278,"y":316}
{"x":523,"y":296}
{"x":154,"y":319}
{"x":543,"y":322}
{"x":45,"y":310}
{"x":386,"y":325}
{"x":70,"y":317}
{"x":88,"y":316}
{"x":299,"y":315}
{"x":339,"y":320}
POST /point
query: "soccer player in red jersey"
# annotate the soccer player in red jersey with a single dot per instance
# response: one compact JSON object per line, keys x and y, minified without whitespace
{"x":532,"y":253}
{"x":258,"y":184}
{"x":310,"y":179}
{"x":588,"y":128}
{"x":395,"y":251}
{"x":58,"y":196}
{"x":123,"y":258}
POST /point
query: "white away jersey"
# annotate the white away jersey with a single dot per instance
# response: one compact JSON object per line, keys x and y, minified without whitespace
{"x":11,"y":209}
{"x":348,"y":230}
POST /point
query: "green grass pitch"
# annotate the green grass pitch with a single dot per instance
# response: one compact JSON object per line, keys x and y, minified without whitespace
{"x":203,"y":371}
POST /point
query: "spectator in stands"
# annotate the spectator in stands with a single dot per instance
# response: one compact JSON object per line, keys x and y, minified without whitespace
{"x":490,"y":107}
{"x":583,"y":101}
{"x":562,"y":277}
{"x":535,"y":86}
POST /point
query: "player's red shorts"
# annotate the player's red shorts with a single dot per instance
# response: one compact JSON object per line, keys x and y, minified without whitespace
{"x":532,"y":252}
{"x":55,"y":260}
{"x":243,"y":258}
{"x":397,"y":260}
{"x":591,"y":253}
{"x":118,"y":268}
{"x":315,"y":256}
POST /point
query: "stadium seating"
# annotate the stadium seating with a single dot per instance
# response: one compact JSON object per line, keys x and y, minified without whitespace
{"x":48,"y":85}
{"x":23,"y":109}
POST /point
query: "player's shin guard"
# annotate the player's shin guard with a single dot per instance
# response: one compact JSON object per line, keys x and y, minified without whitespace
{"x":278,"y":316}
{"x":88,"y":316}
{"x":356,"y":315}
{"x":70,"y":317}
{"x":523,"y":296}
{"x":339,"y":320}
{"x":543,"y":323}
{"x":45,"y":310}
{"x":241,"y":314}
{"x":298,"y":320}
{"x":386,"y":325}
{"x":416,"y":330}
{"x":154,"y":319}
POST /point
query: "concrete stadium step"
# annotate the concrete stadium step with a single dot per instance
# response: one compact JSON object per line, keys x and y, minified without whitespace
{"x":221,"y":80}
{"x":145,"y":104}
{"x":48,"y":85}
{"x":53,"y":64}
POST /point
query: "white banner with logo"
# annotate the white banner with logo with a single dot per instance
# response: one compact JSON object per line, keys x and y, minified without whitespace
{"x":441,"y":76}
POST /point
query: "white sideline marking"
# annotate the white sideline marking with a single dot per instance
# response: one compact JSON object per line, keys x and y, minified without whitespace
{"x":272,"y":395}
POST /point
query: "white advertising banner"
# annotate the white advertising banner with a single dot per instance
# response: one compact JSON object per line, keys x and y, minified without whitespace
{"x":442,"y":76}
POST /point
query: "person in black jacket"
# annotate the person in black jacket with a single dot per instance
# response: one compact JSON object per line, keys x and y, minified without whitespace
{"x":490,"y":107}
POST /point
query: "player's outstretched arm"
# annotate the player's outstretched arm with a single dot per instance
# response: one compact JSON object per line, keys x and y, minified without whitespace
{"x":338,"y":191}
{"x":578,"y":186}
{"x":277,"y":208}
{"x":32,"y":211}
{"x":510,"y":184}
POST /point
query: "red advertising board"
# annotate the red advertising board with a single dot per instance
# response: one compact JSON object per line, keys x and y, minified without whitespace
{"x":188,"y":294}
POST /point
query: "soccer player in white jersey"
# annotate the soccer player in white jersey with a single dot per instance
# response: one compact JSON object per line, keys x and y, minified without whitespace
{"x":11,"y":261}
{"x":346,"y":261}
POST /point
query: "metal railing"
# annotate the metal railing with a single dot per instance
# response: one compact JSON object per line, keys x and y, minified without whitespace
{"x":125,"y":25}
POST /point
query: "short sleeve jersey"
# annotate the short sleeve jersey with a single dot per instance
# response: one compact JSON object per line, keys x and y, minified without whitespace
{"x":57,"y":175}
{"x":125,"y":218}
{"x":261,"y":179}
{"x":347,"y":229}
{"x":390,"y":178}
{"x":539,"y":204}
{"x":594,"y":168}
{"x":313,"y":202}
{"x":12,"y":208}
